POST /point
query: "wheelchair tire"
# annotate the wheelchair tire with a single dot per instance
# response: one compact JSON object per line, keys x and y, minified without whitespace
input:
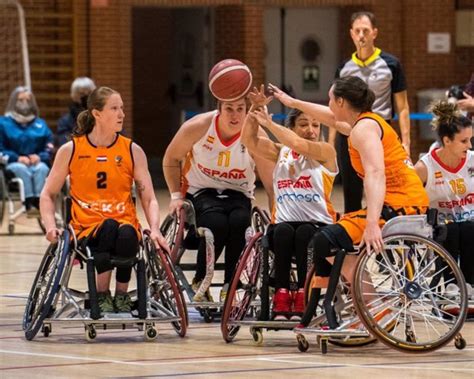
{"x":402,"y":294}
{"x":259,"y":219}
{"x":163,"y":288}
{"x":45,"y":286}
{"x":172,"y":229}
{"x":3,"y":196}
{"x":243,"y":288}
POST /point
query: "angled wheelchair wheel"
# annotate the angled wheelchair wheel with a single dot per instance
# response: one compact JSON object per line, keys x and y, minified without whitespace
{"x":243,"y":289}
{"x":3,"y":195}
{"x":164,"y":295}
{"x":404,"y":287}
{"x":259,"y":219}
{"x":45,"y":286}
{"x":172,"y":229}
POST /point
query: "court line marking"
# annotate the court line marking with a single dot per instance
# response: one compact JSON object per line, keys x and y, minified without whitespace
{"x":379,"y":365}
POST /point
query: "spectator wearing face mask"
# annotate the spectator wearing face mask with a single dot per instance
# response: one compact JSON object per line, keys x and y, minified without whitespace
{"x":26,"y":145}
{"x":81,"y":88}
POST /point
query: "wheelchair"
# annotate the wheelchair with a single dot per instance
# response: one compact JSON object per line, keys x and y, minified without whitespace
{"x":157,"y":298}
{"x":251,"y":290}
{"x":12,"y":196}
{"x":396,"y":297}
{"x":182,"y":234}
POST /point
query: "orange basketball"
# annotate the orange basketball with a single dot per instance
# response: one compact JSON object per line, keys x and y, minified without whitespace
{"x":230,"y":80}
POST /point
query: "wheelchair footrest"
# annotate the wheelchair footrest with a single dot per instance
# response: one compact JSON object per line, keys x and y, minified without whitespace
{"x":287,"y":325}
{"x":205,"y":304}
{"x":332,"y":332}
{"x":113,"y":321}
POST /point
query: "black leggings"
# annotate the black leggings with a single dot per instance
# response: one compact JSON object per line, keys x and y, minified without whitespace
{"x":114,"y":240}
{"x":460,"y":244}
{"x":291,"y":239}
{"x":227,"y":215}
{"x":352,"y":185}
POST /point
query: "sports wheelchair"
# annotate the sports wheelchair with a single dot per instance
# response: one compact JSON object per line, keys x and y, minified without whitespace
{"x":157,"y":298}
{"x":396,"y":296}
{"x":182,"y":234}
{"x":251,"y":289}
{"x":12,"y":196}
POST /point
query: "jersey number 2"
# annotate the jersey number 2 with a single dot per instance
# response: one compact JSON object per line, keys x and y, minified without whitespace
{"x":101,"y":180}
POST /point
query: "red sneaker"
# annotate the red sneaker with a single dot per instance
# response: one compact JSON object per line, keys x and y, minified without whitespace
{"x":281,"y":304}
{"x":298,"y":304}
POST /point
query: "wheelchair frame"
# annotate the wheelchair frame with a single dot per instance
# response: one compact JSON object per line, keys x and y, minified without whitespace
{"x":8,"y":199}
{"x":52,"y":301}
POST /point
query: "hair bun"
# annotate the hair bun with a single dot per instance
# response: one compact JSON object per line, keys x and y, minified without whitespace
{"x":444,"y":112}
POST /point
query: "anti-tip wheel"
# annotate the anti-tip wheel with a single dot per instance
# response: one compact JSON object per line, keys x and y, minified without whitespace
{"x":459,"y":342}
{"x":257,"y":336}
{"x":150,"y":333}
{"x":90,"y":333}
{"x":303,"y":344}
{"x":46,"y":330}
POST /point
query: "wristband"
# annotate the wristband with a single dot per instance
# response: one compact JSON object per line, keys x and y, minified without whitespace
{"x":176,"y":196}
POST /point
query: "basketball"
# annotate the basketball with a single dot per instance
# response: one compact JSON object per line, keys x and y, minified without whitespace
{"x":230,"y":80}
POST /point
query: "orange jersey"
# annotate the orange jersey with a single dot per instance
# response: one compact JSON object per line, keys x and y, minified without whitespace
{"x":403,"y":186}
{"x":101,"y":184}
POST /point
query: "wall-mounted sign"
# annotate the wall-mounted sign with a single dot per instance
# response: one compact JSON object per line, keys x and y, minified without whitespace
{"x":310,"y":78}
{"x":439,"y":43}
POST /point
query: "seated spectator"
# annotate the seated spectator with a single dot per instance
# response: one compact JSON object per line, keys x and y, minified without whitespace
{"x":81,"y":88}
{"x":26,"y":142}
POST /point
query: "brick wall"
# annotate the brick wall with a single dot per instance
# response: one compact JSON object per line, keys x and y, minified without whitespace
{"x":403,"y":28}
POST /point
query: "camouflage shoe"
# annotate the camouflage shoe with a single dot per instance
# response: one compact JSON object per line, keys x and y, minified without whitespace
{"x":106,"y":303}
{"x":123,"y":303}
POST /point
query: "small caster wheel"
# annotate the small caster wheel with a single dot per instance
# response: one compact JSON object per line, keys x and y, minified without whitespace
{"x":303,"y":344}
{"x":459,"y":342}
{"x":257,"y":336}
{"x":323,"y":344}
{"x":150,"y":333}
{"x":90,"y":333}
{"x":410,"y":336}
{"x":208,"y":316}
{"x":11,"y":229}
{"x":46,"y":330}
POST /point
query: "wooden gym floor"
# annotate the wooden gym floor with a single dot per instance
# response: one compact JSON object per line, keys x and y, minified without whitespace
{"x":202,"y":353}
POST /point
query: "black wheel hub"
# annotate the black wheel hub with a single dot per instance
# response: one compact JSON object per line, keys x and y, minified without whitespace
{"x":413,"y":290}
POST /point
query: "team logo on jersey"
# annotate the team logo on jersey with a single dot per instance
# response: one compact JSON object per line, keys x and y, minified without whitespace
{"x":232,"y":174}
{"x":468,"y":199}
{"x":438,"y":175}
{"x":101,"y":158}
{"x":301,"y":182}
{"x":118,"y":160}
{"x":210,"y":139}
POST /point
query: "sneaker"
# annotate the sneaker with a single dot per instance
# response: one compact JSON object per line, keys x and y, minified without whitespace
{"x":298,"y":304}
{"x":207,"y":295}
{"x":451,"y":291}
{"x":106,"y":303}
{"x":281,"y":304}
{"x":223,"y":293}
{"x":123,"y":303}
{"x":32,"y":212}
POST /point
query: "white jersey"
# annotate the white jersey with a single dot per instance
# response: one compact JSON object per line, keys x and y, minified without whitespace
{"x":451,"y":191}
{"x":214,"y":163}
{"x":302,"y":189}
